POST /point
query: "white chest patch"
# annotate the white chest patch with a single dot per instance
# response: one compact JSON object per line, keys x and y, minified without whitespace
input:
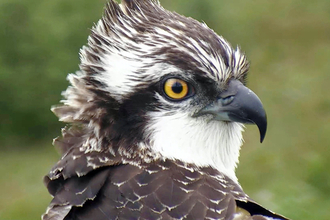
{"x":196,"y":140}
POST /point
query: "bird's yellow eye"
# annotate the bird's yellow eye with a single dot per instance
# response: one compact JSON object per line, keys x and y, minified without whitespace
{"x":176,"y":88}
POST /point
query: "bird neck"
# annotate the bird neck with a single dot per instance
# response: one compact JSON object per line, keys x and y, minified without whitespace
{"x":200,"y":142}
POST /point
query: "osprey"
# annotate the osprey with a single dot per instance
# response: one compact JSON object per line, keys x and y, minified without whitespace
{"x":155,"y":116}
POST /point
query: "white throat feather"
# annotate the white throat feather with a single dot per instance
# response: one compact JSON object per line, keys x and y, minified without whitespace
{"x":201,"y":142}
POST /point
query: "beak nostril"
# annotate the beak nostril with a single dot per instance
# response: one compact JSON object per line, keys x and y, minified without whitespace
{"x":227,"y":100}
{"x":237,"y":104}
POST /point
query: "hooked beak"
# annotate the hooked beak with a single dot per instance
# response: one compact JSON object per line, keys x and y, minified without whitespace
{"x":238,"y":104}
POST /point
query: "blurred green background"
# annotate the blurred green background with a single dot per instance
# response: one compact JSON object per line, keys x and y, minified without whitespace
{"x":287,"y":41}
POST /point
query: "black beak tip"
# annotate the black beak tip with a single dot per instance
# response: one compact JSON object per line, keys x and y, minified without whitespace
{"x":262,"y":136}
{"x":262,"y":126}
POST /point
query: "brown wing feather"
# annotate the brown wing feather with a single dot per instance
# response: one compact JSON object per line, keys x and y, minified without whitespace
{"x":160,"y":190}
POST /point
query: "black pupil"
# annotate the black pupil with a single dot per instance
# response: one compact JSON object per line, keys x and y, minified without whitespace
{"x":177,"y":88}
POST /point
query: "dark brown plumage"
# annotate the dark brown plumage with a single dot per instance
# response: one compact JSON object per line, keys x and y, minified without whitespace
{"x":159,"y":190}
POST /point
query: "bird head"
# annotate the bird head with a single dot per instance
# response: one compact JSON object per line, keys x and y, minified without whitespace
{"x":155,"y":82}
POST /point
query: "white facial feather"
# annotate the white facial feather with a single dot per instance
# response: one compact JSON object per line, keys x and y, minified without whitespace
{"x":196,"y":140}
{"x":117,"y":83}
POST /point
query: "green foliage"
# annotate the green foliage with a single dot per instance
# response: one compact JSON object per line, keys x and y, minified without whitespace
{"x":287,"y":42}
{"x":39,"y":45}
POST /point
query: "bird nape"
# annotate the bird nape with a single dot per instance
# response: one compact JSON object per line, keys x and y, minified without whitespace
{"x":155,"y":116}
